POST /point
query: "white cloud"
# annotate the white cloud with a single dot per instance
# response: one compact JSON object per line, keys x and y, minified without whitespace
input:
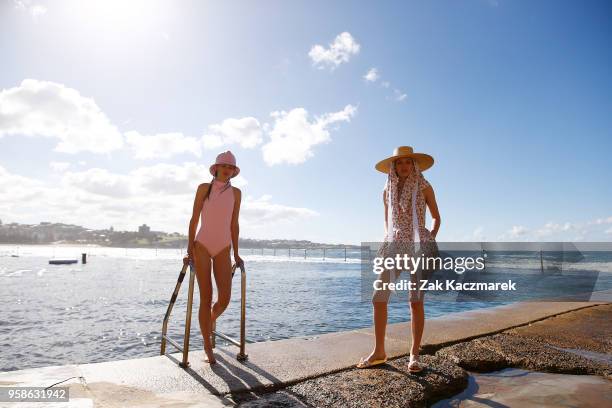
{"x":477,"y":235}
{"x":161,"y":179}
{"x":99,"y":181}
{"x":59,"y":166}
{"x":399,"y":95}
{"x":551,"y":228}
{"x":338,"y":52}
{"x":293,"y":135}
{"x":210,"y":142}
{"x":372,"y":75}
{"x":15,"y":188}
{"x":262,"y":211}
{"x":94,"y":198}
{"x":162,"y":145}
{"x":600,"y":221}
{"x":161,"y":196}
{"x":49,"y":109}
{"x":169,"y":179}
{"x":246,"y":132}
{"x":516,"y":232}
{"x":561,"y":231}
{"x":35,"y":10}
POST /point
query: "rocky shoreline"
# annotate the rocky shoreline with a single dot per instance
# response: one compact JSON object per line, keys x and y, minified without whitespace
{"x":577,"y":342}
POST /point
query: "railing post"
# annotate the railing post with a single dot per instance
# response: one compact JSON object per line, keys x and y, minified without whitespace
{"x":169,"y":309}
{"x":242,"y":355}
{"x":185,"y":362}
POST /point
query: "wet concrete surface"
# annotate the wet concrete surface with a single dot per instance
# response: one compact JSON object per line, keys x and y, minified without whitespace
{"x":585,"y":329}
{"x":507,"y":350}
{"x":542,"y":346}
{"x":528,"y":366}
{"x":514,"y":387}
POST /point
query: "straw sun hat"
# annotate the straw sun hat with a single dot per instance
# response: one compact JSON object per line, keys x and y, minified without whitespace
{"x":424,"y":161}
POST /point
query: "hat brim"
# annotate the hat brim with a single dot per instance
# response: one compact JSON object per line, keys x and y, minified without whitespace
{"x":424,"y":161}
{"x":212,"y":170}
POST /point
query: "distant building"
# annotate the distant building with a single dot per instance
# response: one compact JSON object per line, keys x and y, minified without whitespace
{"x":144,"y":229}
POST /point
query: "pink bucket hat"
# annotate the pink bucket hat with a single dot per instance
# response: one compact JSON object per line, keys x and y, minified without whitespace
{"x":225,"y":158}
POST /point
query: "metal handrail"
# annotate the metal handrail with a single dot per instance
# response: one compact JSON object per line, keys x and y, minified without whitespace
{"x":185,"y":349}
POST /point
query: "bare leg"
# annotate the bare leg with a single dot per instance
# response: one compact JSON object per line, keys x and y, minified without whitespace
{"x":380,"y":299}
{"x":417,"y":324}
{"x":202,"y":263}
{"x":222,"y":269}
{"x":417,"y":313}
{"x":380,"y":328}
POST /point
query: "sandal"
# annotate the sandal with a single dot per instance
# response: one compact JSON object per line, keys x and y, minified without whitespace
{"x":365,"y":363}
{"x":415,"y":366}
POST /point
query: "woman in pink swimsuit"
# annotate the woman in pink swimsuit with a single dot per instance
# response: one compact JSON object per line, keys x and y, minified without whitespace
{"x":217,"y":204}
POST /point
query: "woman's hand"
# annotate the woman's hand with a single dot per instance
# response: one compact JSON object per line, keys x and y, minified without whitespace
{"x":189,"y":257}
{"x":238,"y":260}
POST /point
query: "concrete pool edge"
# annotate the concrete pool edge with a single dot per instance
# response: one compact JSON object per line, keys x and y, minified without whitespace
{"x":274,"y":364}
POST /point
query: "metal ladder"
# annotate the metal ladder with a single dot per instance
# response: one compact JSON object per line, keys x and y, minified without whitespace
{"x":185,"y":350}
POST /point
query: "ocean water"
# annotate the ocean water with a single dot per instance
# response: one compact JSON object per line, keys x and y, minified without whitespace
{"x":113,"y":306}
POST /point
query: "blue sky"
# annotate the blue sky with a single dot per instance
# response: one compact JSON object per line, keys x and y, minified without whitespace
{"x":110,"y":113}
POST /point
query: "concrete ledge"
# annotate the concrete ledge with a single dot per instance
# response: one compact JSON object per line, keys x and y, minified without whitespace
{"x":159,"y":380}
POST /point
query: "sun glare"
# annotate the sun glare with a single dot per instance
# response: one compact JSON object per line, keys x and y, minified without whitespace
{"x":118,"y":15}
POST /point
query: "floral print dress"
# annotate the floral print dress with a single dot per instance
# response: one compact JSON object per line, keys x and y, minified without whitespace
{"x":406,"y":231}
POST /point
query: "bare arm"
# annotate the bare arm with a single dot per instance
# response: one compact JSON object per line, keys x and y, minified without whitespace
{"x":235,"y":226}
{"x":198,"y":203}
{"x":430,"y":200}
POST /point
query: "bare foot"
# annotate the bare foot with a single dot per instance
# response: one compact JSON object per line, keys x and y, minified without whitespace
{"x":210,"y":355}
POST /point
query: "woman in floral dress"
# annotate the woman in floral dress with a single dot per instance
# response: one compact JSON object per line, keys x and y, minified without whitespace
{"x":406,"y":195}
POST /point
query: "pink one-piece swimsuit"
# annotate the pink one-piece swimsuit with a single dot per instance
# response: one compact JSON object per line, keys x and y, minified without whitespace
{"x":216,"y":218}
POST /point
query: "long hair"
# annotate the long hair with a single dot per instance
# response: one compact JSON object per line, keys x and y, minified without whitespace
{"x":209,"y":188}
{"x":406,"y":201}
